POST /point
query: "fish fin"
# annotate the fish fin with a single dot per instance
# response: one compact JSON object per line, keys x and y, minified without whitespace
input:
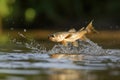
{"x":90,"y":28}
{"x":64,"y":43}
{"x":75,"y":43}
{"x":81,"y":29}
{"x":68,"y":36}
{"x":83,"y":38}
{"x":72,"y":30}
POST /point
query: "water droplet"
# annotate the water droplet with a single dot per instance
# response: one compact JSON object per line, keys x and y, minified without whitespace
{"x":11,"y":28}
{"x":25,"y":30}
{"x":21,"y":35}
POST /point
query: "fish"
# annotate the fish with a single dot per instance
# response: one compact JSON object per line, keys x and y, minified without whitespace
{"x":72,"y":35}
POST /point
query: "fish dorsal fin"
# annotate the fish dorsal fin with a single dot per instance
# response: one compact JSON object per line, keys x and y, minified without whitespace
{"x":90,"y":26}
{"x":82,"y":28}
{"x":72,"y":30}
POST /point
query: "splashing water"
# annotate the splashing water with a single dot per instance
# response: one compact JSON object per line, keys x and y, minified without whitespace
{"x":87,"y":47}
{"x":29,"y":43}
{"x":88,"y":56}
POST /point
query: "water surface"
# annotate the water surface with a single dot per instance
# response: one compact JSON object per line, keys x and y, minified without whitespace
{"x":32,"y":61}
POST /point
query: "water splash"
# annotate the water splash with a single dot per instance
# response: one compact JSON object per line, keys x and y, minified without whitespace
{"x":87,"y":47}
{"x":28,"y":43}
{"x":36,"y":47}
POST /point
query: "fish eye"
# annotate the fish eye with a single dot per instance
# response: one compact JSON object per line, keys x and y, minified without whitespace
{"x":52,"y":35}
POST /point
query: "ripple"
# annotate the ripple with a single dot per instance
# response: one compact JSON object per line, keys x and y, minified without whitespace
{"x":13,"y":71}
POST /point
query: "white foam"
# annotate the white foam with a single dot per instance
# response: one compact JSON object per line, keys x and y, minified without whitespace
{"x":87,"y":47}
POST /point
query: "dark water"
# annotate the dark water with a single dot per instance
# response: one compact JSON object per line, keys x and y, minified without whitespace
{"x":32,"y":61}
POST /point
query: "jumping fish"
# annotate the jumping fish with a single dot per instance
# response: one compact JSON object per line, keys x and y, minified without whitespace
{"x":72,"y":35}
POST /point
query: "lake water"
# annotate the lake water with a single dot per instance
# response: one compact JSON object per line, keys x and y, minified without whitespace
{"x":33,"y":61}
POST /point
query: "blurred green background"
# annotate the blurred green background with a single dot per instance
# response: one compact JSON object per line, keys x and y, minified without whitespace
{"x":45,"y":16}
{"x":59,"y":14}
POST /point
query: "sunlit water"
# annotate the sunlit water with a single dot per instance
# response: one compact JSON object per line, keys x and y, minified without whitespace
{"x":32,"y":61}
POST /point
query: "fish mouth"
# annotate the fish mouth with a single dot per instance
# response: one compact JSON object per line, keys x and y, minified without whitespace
{"x":52,"y":39}
{"x":49,"y":38}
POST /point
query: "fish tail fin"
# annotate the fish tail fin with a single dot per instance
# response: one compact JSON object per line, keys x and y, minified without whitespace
{"x":90,"y":28}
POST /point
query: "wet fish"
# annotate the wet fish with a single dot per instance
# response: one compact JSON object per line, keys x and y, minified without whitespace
{"x":72,"y":35}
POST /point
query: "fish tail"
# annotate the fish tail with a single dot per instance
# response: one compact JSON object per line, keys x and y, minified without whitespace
{"x":90,"y":28}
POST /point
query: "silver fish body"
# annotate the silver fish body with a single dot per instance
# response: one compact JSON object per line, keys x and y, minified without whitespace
{"x":72,"y":35}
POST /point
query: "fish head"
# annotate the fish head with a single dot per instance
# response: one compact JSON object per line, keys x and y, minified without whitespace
{"x":51,"y":37}
{"x":56,"y":37}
